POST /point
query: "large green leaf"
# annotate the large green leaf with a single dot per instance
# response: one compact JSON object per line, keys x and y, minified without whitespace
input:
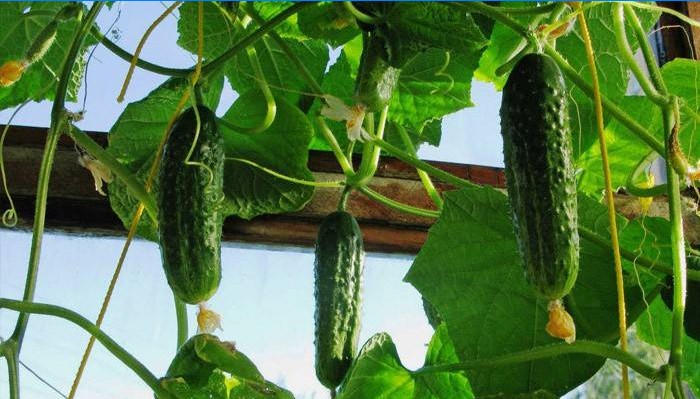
{"x":469,"y":269}
{"x":625,"y":149}
{"x":280,"y":73}
{"x":655,"y":327}
{"x":20,"y":23}
{"x":442,"y":385}
{"x":328,"y":21}
{"x":378,"y":373}
{"x":220,"y":32}
{"x":283,"y":147}
{"x":432,"y":85}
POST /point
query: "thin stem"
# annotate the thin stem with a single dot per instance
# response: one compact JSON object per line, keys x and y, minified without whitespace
{"x":399,"y":206}
{"x":543,"y":352}
{"x":668,"y":388}
{"x":11,"y":356}
{"x":298,"y":63}
{"x":643,"y":40}
{"x":343,"y":202}
{"x":105,"y":302}
{"x":120,"y":353}
{"x":326,"y":184}
{"x":134,"y":185}
{"x":58,"y":125}
{"x":677,"y":251}
{"x":181,"y":318}
{"x":359,"y":15}
{"x":632,"y":188}
{"x":128,"y":57}
{"x":424,"y":177}
{"x":139,"y":47}
{"x":495,"y":14}
{"x":631,"y":256}
{"x":343,"y":161}
{"x":370,"y":152}
{"x":627,"y":54}
{"x":422,"y":165}
{"x":218,"y":62}
{"x":673,"y":12}
{"x":547,"y":8}
{"x":612,"y":217}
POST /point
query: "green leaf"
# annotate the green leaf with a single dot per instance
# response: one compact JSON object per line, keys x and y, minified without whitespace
{"x":378,"y":373}
{"x":280,"y":73}
{"x":442,"y":385}
{"x":20,"y":23}
{"x":625,"y":149}
{"x":283,"y":147}
{"x":328,"y":21}
{"x":432,"y":85}
{"x":470,"y":269}
{"x":220,"y":33}
{"x":411,"y":28}
{"x":655,"y":327}
{"x":214,"y":389}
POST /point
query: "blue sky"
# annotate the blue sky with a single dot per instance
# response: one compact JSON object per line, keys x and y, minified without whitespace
{"x":266,"y":296}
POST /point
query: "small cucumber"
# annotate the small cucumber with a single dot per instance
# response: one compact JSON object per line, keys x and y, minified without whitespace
{"x":376,"y":79}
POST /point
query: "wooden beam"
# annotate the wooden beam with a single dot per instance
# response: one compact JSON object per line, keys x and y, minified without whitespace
{"x":75,"y":207}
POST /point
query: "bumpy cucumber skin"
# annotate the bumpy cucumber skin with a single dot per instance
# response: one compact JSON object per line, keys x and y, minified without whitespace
{"x":376,"y":79}
{"x":189,"y":200}
{"x":539,"y":174}
{"x":691,"y":316}
{"x":338,"y":275}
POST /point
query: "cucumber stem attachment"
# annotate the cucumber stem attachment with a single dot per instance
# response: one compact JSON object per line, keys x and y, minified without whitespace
{"x":424,"y":177}
{"x":399,"y":206}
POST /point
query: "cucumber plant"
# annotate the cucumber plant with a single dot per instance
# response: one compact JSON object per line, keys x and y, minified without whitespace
{"x":402,"y":67}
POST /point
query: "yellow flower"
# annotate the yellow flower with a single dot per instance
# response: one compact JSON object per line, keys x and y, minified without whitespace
{"x":335,"y":109}
{"x":207,"y":320}
{"x":11,"y":71}
{"x":100,"y":173}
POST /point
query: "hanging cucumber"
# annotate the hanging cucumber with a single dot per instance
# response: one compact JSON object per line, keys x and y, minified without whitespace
{"x":376,"y":79}
{"x":541,"y":183}
{"x":338,"y":274}
{"x":189,"y":201}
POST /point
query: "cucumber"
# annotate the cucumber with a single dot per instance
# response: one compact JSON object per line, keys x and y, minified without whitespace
{"x":338,"y":279}
{"x":539,"y":174}
{"x":189,"y":365}
{"x":691,"y":316}
{"x":376,"y":79}
{"x":189,"y":200}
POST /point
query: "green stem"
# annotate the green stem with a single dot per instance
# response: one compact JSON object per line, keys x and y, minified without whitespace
{"x":58,"y":124}
{"x":9,"y":352}
{"x":360,"y":16}
{"x":422,"y":165}
{"x":627,"y":54}
{"x":495,"y":14}
{"x":643,"y":261}
{"x":424,"y":177}
{"x":644,"y":45}
{"x":547,"y":8}
{"x":326,"y":184}
{"x":181,"y":318}
{"x":543,"y":352}
{"x":632,"y":188}
{"x":120,"y":353}
{"x":343,"y":161}
{"x":399,"y":206}
{"x":677,"y":251}
{"x":221,"y":60}
{"x":343,"y":202}
{"x":666,"y":10}
{"x":370,"y":153}
{"x":298,"y":63}
{"x":145,"y":65}
{"x":134,"y":185}
{"x":668,"y":388}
